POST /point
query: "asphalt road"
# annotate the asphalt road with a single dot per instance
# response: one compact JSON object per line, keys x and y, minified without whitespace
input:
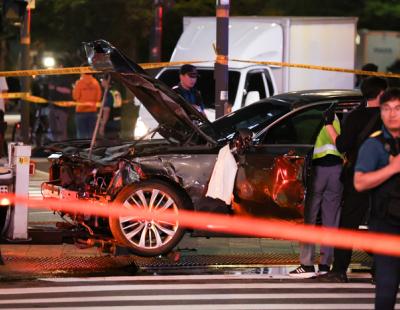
{"x":216,"y":292}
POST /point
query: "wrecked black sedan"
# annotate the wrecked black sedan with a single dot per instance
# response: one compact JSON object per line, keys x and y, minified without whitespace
{"x":272,"y":141}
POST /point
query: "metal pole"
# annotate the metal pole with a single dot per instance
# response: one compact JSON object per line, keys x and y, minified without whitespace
{"x":99,"y":117}
{"x":25,"y":64}
{"x":221,"y":63}
{"x":155,"y":49}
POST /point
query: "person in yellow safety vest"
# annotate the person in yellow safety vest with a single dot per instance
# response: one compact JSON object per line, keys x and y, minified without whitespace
{"x":325,"y":197}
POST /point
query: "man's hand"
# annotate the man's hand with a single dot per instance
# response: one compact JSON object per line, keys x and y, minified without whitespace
{"x":394,"y":162}
{"x":329,"y":116}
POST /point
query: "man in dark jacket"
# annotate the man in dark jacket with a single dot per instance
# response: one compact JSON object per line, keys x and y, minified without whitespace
{"x":378,"y":170}
{"x":357,"y":127}
{"x":186,"y":88}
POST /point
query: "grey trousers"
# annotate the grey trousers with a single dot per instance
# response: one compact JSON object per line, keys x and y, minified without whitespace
{"x":326,"y":195}
{"x":58,"y":122}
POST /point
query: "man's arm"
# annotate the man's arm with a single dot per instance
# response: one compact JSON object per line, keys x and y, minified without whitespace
{"x":104,"y":119}
{"x":347,"y":139}
{"x":332,"y":132}
{"x":367,"y":180}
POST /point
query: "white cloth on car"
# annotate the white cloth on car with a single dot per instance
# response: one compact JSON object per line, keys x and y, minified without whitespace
{"x":223,"y":176}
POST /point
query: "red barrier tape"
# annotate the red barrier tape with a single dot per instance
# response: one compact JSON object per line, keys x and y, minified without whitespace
{"x":239,"y":225}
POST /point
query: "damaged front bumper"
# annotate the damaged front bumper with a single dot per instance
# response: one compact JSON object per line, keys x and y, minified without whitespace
{"x":54,"y":191}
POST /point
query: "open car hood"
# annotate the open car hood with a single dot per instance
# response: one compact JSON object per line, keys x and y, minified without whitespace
{"x":178,"y":120}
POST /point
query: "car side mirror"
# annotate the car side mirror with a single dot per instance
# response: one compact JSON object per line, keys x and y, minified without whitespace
{"x":251,"y":97}
{"x":241,"y":141}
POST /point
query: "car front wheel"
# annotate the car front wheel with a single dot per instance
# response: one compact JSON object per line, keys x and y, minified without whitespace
{"x":148,"y":237}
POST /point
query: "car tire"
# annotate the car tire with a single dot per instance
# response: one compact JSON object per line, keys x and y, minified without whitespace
{"x":148,"y":238}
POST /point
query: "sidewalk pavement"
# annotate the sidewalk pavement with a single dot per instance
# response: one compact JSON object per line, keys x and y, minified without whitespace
{"x":30,"y":261}
{"x":193,"y":245}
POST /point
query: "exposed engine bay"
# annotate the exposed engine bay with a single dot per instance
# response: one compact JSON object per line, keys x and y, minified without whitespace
{"x":77,"y":178}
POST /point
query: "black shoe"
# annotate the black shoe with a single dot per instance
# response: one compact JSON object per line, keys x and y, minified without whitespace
{"x":323,"y":269}
{"x":303,"y":272}
{"x":373,"y":280}
{"x":333,"y":277}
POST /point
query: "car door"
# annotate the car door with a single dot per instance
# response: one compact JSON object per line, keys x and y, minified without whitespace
{"x":272,"y":176}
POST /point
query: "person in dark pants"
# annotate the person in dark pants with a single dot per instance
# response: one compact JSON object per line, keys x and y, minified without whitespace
{"x":325,"y":198}
{"x":378,"y":170}
{"x":59,"y":89}
{"x":110,"y":118}
{"x":186,"y":88}
{"x":358,"y":125}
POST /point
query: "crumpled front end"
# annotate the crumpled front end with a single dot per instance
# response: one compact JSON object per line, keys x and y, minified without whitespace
{"x":76,"y":178}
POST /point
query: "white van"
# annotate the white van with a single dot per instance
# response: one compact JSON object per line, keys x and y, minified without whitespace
{"x":247,"y":82}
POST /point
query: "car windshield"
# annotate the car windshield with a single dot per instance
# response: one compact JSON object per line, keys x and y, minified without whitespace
{"x":254,"y":117}
{"x":205,"y":84}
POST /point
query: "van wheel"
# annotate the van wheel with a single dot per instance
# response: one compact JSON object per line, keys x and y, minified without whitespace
{"x":148,"y":237}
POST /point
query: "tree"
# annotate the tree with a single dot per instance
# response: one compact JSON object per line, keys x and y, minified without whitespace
{"x":62,"y":25}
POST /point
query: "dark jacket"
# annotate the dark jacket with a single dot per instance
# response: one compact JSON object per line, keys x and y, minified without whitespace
{"x":353,"y":131}
{"x":193,"y":96}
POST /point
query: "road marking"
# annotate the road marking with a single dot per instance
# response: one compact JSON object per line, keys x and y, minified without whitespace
{"x":200,"y":286}
{"x":310,"y":295}
{"x":264,"y":276}
{"x":220,"y":307}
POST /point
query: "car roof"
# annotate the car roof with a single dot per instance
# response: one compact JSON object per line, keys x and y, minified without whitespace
{"x":300,"y":98}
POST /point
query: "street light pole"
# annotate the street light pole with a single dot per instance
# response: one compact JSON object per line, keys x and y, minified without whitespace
{"x":155,"y":48}
{"x":221,"y":63}
{"x":25,"y":64}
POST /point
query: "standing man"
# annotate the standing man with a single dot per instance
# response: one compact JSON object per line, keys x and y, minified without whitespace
{"x":367,"y":67}
{"x":59,"y":89}
{"x":326,"y":197}
{"x":378,"y":170}
{"x":3,"y":90}
{"x":186,"y":88}
{"x":86,"y":93}
{"x":111,"y":116}
{"x":358,"y":125}
{"x":3,"y":124}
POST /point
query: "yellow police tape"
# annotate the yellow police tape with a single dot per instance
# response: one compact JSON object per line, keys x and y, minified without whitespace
{"x":35,"y":99}
{"x":157,"y":65}
{"x":323,"y":68}
{"x":58,"y":71}
{"x":81,"y":70}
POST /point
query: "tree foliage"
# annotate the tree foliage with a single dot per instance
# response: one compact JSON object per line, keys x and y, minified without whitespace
{"x":61,"y":25}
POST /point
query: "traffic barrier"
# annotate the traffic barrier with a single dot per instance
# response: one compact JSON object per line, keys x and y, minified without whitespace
{"x":239,"y":225}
